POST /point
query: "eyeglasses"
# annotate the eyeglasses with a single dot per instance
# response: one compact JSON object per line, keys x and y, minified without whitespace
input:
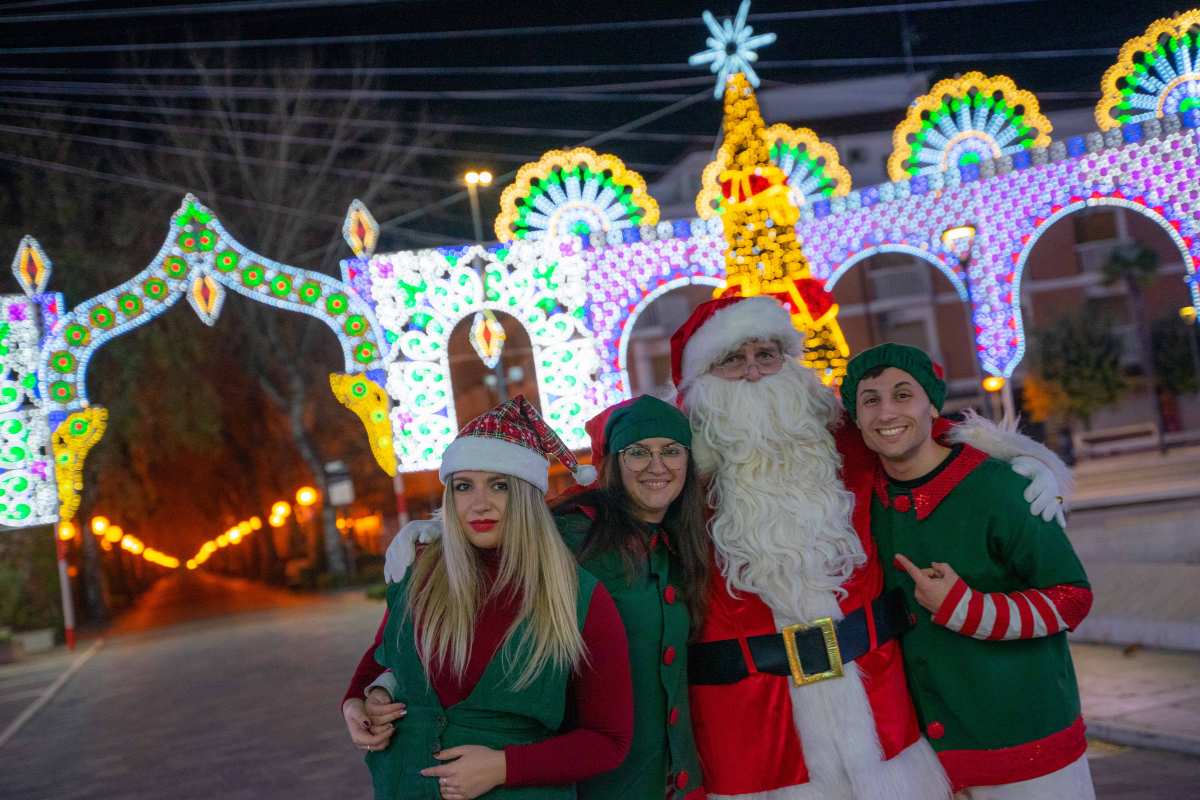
{"x":638,"y":458}
{"x":768,"y":360}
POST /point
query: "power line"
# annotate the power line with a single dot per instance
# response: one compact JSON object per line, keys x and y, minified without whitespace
{"x":459,"y":196}
{"x":446,"y":152}
{"x":446,"y":127}
{"x":486,"y":33}
{"x":126,"y":144}
{"x":150,"y":183}
{"x":263,"y":93}
{"x":194,"y":8}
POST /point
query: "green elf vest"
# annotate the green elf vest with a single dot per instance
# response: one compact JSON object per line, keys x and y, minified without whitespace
{"x":984,"y":705}
{"x":493,"y":715}
{"x":662,"y":757}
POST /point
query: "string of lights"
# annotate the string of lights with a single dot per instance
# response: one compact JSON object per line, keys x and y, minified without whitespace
{"x":488,"y":33}
{"x":92,"y":88}
{"x":208,"y":154}
{"x":428,"y":150}
{"x":443,"y":127}
{"x":193,"y":9}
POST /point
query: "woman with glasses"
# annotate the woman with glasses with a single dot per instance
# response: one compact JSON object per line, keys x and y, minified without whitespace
{"x":640,"y":531}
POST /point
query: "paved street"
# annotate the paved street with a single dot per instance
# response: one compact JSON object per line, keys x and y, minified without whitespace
{"x":246,"y":706}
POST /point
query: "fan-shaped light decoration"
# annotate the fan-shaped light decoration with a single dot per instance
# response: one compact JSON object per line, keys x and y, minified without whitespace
{"x":573,"y":193}
{"x":964,"y":121}
{"x":811,"y":168}
{"x":369,"y":402}
{"x":31,"y":266}
{"x":1156,"y":74}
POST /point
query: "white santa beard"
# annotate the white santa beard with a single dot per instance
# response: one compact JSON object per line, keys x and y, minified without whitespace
{"x":782,"y":520}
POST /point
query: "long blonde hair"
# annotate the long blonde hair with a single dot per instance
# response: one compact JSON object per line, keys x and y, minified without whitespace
{"x":447,"y":590}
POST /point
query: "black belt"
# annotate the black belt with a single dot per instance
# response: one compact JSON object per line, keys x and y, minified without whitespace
{"x":808,"y":653}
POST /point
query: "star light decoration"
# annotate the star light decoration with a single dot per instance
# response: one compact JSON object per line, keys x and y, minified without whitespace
{"x":731,"y":48}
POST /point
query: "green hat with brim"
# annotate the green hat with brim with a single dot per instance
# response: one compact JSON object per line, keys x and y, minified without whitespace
{"x":646,"y":418}
{"x":914,"y":361}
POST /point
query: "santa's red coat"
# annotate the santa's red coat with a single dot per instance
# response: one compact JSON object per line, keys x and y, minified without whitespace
{"x":745,"y":732}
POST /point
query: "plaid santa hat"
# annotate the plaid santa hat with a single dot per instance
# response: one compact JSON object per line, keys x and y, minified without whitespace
{"x":512,"y":439}
{"x":721,"y":326}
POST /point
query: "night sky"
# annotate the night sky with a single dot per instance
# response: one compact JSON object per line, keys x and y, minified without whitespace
{"x":641,"y":55}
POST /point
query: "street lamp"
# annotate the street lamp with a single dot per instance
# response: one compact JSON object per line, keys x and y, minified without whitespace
{"x":474,"y":180}
{"x":960,"y":240}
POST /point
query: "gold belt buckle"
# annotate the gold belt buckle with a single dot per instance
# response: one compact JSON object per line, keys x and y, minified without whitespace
{"x":831,"y":650}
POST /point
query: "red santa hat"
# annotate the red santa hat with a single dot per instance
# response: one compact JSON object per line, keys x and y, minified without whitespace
{"x":512,"y":439}
{"x":724,"y":324}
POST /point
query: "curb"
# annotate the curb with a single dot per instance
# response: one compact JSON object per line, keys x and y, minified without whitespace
{"x":1140,"y":737}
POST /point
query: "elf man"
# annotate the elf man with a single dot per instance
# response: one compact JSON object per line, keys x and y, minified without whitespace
{"x":993,"y":589}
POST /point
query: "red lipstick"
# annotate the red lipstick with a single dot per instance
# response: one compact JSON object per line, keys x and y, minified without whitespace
{"x":482,"y":525}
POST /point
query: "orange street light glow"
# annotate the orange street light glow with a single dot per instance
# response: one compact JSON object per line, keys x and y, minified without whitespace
{"x":306,"y":496}
{"x":276,"y":522}
{"x":256,"y":523}
{"x":113,"y":534}
{"x":66,"y":530}
{"x":223,"y":540}
{"x":281,"y":509}
{"x":99,"y":524}
{"x":993,"y":383}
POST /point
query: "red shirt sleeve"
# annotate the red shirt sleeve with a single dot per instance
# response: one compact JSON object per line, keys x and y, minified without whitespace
{"x":603,"y":711}
{"x":368,"y":668}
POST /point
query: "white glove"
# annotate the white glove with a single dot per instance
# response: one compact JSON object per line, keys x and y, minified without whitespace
{"x":1043,"y":494}
{"x":403,"y":550}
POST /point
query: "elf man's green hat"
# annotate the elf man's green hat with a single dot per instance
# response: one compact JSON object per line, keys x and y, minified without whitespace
{"x":914,"y":361}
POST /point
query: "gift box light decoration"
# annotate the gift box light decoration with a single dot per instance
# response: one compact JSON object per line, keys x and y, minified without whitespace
{"x":1156,"y":75}
{"x":573,"y":193}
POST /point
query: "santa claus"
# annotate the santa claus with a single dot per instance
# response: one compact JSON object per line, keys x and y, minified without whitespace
{"x":797,"y":685}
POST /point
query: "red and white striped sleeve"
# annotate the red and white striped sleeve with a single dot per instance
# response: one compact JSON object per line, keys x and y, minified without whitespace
{"x":1027,"y":614}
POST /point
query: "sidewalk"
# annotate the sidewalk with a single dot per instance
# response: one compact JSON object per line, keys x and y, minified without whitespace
{"x":1146,"y":698}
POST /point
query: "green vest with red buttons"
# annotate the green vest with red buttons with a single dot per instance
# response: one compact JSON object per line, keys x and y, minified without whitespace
{"x":979,"y":701}
{"x":493,"y":714}
{"x":662,"y":757}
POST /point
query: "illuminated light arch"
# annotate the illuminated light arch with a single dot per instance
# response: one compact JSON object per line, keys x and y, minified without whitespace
{"x":932,"y":258}
{"x":1155,"y":75}
{"x":570,"y":193}
{"x":199,"y":260}
{"x":964,"y":121}
{"x":812,"y":170}
{"x":421,"y":296}
{"x":1043,"y":224}
{"x":631,"y":320}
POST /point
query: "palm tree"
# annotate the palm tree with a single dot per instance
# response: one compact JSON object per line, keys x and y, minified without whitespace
{"x":1136,"y":266}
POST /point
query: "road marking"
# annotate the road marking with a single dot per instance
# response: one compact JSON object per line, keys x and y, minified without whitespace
{"x":53,"y":688}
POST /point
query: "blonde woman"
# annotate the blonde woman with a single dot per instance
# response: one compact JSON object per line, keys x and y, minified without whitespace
{"x":496,"y":638}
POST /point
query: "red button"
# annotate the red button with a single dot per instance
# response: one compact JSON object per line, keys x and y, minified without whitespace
{"x":673,"y":717}
{"x":935,"y":730}
{"x":681,"y":779}
{"x":669,"y":656}
{"x":903,"y":503}
{"x":669,"y":595}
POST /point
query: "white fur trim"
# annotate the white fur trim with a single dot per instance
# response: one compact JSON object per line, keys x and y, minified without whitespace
{"x":585,"y":474}
{"x":1005,"y":443}
{"x":495,"y":455}
{"x":753,"y":318}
